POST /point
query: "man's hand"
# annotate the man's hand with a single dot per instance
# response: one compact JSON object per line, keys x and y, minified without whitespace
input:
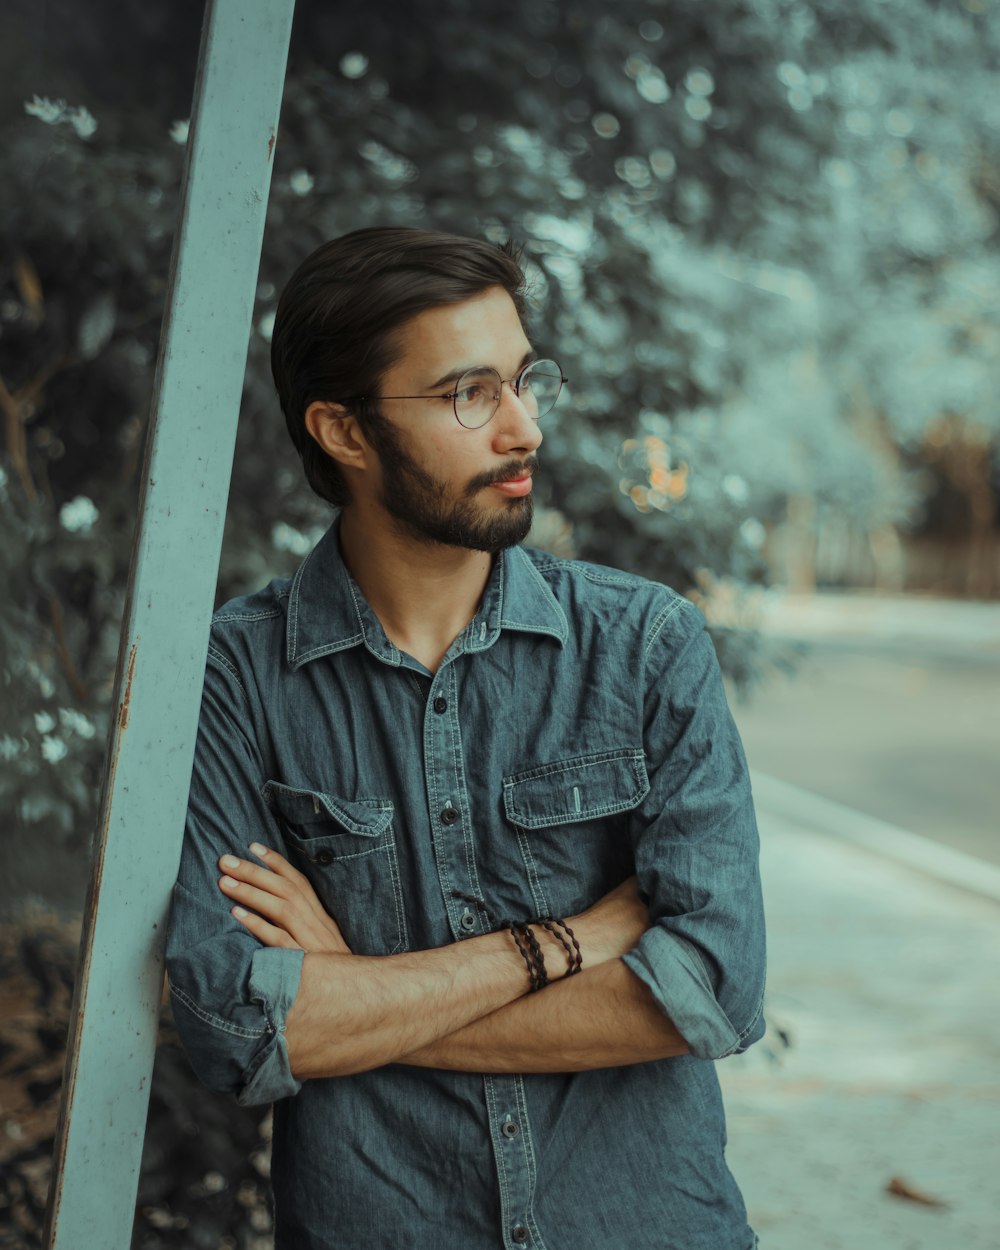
{"x":613,"y":925}
{"x":604,"y":1018}
{"x":284,"y":910}
{"x":278,"y":905}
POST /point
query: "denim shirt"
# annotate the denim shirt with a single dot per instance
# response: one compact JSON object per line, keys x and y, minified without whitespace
{"x":576,"y":732}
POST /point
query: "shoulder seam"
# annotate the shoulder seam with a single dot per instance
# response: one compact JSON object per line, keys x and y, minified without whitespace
{"x":666,"y":612}
{"x":592,"y":572}
{"x":225,"y":661}
{"x":263,"y":615}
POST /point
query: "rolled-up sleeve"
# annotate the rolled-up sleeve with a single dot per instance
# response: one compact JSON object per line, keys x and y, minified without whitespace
{"x":230,"y":995}
{"x":696,"y":848}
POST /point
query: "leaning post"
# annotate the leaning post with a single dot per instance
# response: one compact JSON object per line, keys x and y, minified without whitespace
{"x":161,"y":661}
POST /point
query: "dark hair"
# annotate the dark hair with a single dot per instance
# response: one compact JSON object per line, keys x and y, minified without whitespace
{"x":337,"y":322}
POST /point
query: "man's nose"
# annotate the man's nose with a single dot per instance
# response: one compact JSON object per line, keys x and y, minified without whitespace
{"x":514,"y":428}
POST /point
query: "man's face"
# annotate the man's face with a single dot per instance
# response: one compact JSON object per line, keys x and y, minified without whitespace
{"x":440,"y":482}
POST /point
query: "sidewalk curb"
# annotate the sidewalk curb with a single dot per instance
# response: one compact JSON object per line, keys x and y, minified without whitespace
{"x":878,"y":836}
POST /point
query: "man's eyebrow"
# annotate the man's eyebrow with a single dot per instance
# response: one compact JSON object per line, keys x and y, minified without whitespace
{"x":455,"y":374}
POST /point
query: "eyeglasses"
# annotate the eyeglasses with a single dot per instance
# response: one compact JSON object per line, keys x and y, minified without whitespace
{"x":476,"y":396}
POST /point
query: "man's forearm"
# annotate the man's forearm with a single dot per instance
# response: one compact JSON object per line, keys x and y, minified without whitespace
{"x":603,"y":1018}
{"x":352,"y":1013}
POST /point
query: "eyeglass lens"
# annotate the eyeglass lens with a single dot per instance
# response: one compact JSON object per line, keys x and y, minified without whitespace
{"x":477,"y":393}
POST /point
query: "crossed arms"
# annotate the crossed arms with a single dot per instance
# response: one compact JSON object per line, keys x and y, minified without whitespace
{"x":462,"y":1006}
{"x":265,"y":1000}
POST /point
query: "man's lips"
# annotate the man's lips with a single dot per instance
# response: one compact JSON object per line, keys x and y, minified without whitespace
{"x":512,"y":479}
{"x":515,"y":486}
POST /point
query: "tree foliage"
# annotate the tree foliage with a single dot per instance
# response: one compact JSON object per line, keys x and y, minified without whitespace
{"x":761,"y":238}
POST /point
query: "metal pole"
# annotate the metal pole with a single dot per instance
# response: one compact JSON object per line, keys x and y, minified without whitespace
{"x":161,"y":661}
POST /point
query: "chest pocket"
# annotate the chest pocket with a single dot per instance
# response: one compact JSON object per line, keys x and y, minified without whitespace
{"x":347,"y":849}
{"x":570,"y":819}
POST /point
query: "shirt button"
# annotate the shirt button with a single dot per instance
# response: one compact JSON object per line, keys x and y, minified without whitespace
{"x":440,"y":705}
{"x":509,"y":1128}
{"x":519,"y":1234}
{"x":324,"y":857}
{"x":468,"y":921}
{"x":449,"y":816}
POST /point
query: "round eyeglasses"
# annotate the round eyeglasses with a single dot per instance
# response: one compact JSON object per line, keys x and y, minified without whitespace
{"x":476,"y":396}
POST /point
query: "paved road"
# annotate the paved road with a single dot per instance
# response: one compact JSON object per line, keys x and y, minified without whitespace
{"x":877,"y":973}
{"x":900,"y":722}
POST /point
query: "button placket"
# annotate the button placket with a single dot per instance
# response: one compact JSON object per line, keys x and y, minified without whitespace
{"x":514,"y":1154}
{"x":454,"y":851}
{"x":448,"y":795}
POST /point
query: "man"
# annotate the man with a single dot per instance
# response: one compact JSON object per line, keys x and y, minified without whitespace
{"x":424,"y":745}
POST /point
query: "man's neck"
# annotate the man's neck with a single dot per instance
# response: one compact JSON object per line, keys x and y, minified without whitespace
{"x":423,"y":593}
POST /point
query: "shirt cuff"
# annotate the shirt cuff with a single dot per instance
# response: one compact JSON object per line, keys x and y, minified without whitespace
{"x":676,"y":976}
{"x":274,"y":982}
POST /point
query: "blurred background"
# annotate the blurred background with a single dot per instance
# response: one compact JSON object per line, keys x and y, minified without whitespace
{"x":762,"y":241}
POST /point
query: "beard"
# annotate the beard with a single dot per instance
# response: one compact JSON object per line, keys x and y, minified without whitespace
{"x":422,"y":506}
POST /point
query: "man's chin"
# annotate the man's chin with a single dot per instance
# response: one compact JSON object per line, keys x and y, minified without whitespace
{"x":508,"y":530}
{"x":494,"y":542}
{"x":489,"y":534}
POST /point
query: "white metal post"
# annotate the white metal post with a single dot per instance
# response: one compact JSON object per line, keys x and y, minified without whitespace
{"x":161,"y":661}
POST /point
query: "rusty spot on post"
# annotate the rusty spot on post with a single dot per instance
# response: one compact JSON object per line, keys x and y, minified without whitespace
{"x":270,"y":145}
{"x":127,"y":696}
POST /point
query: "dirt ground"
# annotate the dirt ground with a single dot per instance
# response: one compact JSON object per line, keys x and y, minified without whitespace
{"x":203,"y":1184}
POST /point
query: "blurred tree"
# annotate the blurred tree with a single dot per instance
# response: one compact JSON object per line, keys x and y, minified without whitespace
{"x":913,"y":323}
{"x":760,"y":234}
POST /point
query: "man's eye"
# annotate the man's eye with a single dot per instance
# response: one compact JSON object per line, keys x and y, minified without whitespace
{"x":469,"y":395}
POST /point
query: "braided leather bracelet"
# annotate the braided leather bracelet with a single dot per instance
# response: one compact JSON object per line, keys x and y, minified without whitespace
{"x":527,"y":944}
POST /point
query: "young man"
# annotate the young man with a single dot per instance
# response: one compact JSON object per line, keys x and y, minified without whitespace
{"x":425,"y":744}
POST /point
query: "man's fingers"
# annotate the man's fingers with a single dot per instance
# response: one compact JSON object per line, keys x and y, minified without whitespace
{"x":264,"y":932}
{"x":298,"y":880}
{"x":247,"y":870}
{"x":283,"y":897}
{"x":278,"y":877}
{"x":267,"y":902}
{"x":276,"y":862}
{"x":275,"y":923}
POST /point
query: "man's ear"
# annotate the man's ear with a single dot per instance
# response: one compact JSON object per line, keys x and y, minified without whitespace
{"x":339,"y":434}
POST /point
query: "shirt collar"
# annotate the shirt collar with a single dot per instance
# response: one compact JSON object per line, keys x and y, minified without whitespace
{"x":327,"y":611}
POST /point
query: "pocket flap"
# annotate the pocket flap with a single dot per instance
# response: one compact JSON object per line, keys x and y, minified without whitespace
{"x":368,"y":817}
{"x":583,"y":788}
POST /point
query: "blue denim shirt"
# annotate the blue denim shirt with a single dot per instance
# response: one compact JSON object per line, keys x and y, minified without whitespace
{"x":579,"y":729}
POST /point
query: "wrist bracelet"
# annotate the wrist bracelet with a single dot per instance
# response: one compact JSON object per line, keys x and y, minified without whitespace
{"x":527,"y":944}
{"x":574,"y":956}
{"x":539,"y":977}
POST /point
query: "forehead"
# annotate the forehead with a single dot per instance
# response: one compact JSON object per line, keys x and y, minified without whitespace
{"x":483,"y":330}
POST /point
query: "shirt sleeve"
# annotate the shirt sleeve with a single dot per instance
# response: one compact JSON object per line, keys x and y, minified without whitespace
{"x":230,"y":994}
{"x":696,"y":848}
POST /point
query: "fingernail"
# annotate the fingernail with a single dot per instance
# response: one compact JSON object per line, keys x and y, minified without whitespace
{"x":239,"y":911}
{"x":257,"y":849}
{"x":228,"y":881}
{"x":229,"y":861}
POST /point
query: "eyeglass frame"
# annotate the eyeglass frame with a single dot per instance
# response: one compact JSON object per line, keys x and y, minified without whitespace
{"x":514,"y":382}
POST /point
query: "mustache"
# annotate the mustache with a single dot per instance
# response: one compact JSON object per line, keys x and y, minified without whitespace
{"x":509,"y":472}
{"x":505,"y":473}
